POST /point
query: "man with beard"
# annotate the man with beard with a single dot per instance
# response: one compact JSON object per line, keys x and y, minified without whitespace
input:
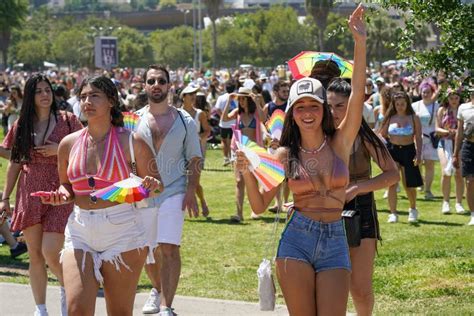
{"x":281,"y":89}
{"x":170,"y":133}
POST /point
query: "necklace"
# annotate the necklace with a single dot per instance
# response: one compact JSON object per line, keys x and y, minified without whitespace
{"x":314,"y":151}
{"x":97,"y":141}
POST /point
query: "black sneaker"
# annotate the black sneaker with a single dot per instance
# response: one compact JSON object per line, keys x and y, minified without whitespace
{"x":19,"y":250}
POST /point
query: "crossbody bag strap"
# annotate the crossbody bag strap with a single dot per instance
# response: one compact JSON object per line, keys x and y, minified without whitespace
{"x":132,"y":153}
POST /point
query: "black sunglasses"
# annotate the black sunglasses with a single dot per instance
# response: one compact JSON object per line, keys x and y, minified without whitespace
{"x":152,"y":81}
{"x":91,"y":183}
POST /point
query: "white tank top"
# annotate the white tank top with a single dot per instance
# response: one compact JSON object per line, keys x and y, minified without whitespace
{"x":196,"y":119}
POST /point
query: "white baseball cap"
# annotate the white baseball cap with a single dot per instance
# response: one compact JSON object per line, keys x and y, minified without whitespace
{"x":305,"y":88}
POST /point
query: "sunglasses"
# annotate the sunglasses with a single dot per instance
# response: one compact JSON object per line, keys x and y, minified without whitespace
{"x":91,"y":183}
{"x":152,"y":81}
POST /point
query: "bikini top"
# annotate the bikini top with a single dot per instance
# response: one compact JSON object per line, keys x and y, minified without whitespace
{"x":113,"y":167}
{"x":252,"y":124}
{"x":319,"y":193}
{"x":395,"y":130}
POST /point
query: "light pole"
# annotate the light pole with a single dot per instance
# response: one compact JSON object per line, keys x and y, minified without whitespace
{"x":200,"y":33}
{"x":194,"y":36}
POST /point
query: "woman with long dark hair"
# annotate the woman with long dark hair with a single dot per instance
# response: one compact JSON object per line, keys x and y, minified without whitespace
{"x":360,"y":197}
{"x":446,"y":126}
{"x":33,"y":140}
{"x":103,"y":239}
{"x":249,"y":116}
{"x":313,"y":264}
{"x":402,"y":127}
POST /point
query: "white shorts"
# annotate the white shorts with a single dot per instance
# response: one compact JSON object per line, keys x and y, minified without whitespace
{"x":105,"y":234}
{"x":428,"y":152}
{"x":166,"y":225}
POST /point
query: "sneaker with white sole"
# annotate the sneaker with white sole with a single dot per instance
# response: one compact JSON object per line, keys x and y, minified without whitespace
{"x":40,"y":311}
{"x":429,"y":196}
{"x":392,"y":218}
{"x":166,"y":311}
{"x":445,"y":208}
{"x":412,"y":215}
{"x":459,"y":208}
{"x":152,"y":304}
{"x":471,"y":222}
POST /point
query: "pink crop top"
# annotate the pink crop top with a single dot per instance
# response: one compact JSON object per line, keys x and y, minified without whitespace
{"x":330,"y":185}
{"x":113,"y":167}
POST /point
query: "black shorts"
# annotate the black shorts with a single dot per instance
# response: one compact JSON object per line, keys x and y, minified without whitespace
{"x":404,"y":155}
{"x":226,"y":133}
{"x":369,"y":221}
{"x":467,"y":159}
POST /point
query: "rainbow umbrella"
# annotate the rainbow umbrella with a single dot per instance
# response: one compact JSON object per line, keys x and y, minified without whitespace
{"x":302,"y":64}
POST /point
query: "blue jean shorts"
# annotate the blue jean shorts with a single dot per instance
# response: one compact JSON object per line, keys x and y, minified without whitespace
{"x":321,"y":245}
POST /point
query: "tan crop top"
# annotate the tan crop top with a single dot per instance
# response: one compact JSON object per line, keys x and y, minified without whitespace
{"x":321,"y":182}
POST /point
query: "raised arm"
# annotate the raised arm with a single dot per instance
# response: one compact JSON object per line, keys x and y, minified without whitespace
{"x":226,"y":116}
{"x":350,"y":125}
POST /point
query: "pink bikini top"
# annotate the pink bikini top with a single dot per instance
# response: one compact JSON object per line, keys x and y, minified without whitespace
{"x":113,"y":167}
{"x":311,"y":193}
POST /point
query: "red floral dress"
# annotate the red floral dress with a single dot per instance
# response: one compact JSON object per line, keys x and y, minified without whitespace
{"x":41,"y":174}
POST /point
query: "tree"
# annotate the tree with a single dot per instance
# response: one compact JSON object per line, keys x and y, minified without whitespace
{"x":213,"y":7}
{"x":454,"y":20}
{"x":12,"y":15}
{"x":72,"y":47}
{"x":133,"y":47}
{"x":173,"y":47}
{"x":319,"y":10}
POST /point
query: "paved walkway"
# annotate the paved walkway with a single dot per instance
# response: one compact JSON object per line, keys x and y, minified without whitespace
{"x":17,"y":300}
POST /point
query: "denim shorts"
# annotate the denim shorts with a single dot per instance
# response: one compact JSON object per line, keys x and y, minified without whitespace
{"x":321,"y":245}
{"x":105,"y":234}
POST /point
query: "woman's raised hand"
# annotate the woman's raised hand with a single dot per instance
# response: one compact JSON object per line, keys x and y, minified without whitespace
{"x":357,"y":24}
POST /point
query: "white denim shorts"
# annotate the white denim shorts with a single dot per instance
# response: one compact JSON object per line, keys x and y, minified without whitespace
{"x":105,"y":234}
{"x":166,"y":223}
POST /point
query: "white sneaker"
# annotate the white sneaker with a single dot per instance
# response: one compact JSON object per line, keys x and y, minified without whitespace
{"x":385,"y":195}
{"x":412,"y":215}
{"x":39,"y":312}
{"x":166,"y":311}
{"x":459,"y":208}
{"x":63,"y":301}
{"x":445,"y":208}
{"x":152,"y":304}
{"x":471,"y":222}
{"x":392,"y":218}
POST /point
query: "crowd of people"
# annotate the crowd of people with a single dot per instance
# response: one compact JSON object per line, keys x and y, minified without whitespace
{"x":64,"y":136}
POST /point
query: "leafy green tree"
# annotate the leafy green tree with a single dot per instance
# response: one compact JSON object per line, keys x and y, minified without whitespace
{"x":33,"y":50}
{"x":454,"y":19}
{"x":213,"y":8}
{"x":72,"y":47}
{"x":167,"y":4}
{"x":382,"y":32}
{"x":12,"y":15}
{"x":173,"y":47}
{"x":134,"y":48}
{"x":319,"y":10}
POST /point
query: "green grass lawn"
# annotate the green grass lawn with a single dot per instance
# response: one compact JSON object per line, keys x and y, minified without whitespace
{"x":427,"y":268}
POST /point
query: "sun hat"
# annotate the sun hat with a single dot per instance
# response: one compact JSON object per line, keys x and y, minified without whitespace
{"x":188,"y":90}
{"x":306,"y":88}
{"x":244,"y":92}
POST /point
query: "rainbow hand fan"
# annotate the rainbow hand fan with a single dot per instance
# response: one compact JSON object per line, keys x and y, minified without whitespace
{"x":130,"y":120}
{"x":275,"y":124}
{"x":126,"y":191}
{"x":268,"y":171}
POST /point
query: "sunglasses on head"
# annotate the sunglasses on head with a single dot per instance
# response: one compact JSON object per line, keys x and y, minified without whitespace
{"x":152,"y":81}
{"x":91,"y":183}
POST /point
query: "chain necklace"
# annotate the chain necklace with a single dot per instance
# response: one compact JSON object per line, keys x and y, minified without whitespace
{"x":314,"y":151}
